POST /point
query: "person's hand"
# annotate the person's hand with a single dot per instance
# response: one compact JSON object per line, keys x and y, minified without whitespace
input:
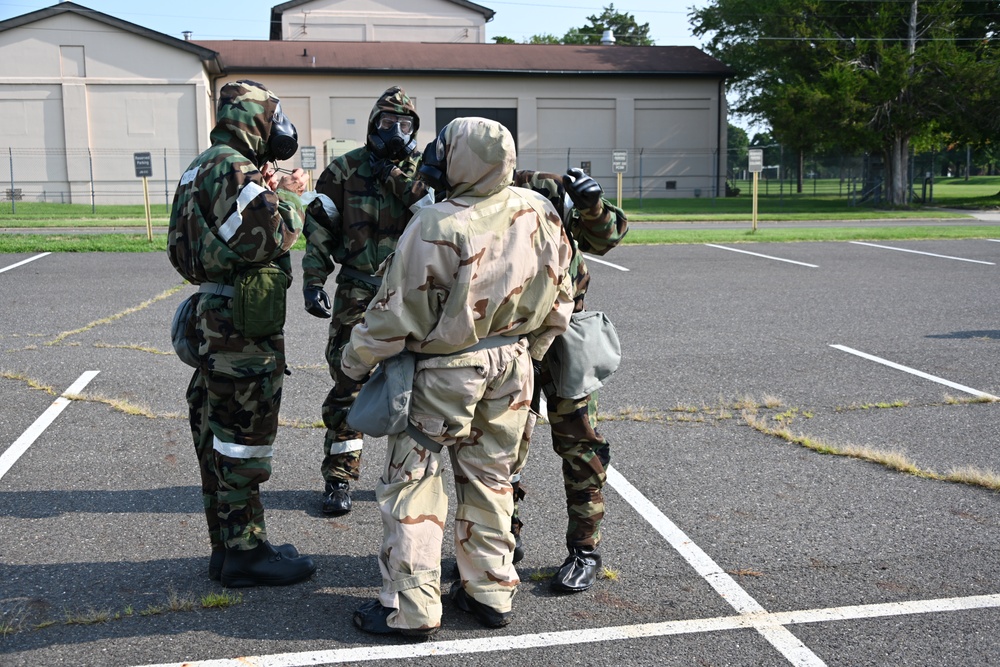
{"x":317,"y":301}
{"x":294,"y":182}
{"x":270,"y":175}
{"x":582,"y":189}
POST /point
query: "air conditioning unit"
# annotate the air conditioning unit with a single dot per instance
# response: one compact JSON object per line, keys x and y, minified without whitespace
{"x":334,"y":148}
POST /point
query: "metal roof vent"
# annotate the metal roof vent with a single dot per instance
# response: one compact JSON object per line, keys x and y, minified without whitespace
{"x":187,"y":35}
{"x":608,"y":38}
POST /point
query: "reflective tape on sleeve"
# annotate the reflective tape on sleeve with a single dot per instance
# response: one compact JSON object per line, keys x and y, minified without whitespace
{"x":233,"y":222}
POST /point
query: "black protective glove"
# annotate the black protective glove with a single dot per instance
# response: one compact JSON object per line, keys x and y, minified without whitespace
{"x":582,"y":189}
{"x":317,"y":301}
{"x":381,"y":167}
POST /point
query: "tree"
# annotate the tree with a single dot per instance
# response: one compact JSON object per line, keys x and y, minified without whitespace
{"x":500,"y":39}
{"x":738,"y":144}
{"x":627,"y":32}
{"x":870,"y":76}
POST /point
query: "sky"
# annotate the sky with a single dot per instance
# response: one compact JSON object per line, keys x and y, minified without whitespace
{"x":516,"y":19}
{"x":249,"y":19}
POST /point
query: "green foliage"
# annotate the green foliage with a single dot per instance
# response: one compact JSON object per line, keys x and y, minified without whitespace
{"x":864,"y":76}
{"x":500,"y":39}
{"x":627,"y":32}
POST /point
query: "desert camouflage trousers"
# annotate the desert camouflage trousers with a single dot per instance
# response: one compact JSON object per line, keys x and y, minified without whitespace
{"x":342,"y":444}
{"x":477,"y":405}
{"x":233,"y":401}
{"x":585,"y":457}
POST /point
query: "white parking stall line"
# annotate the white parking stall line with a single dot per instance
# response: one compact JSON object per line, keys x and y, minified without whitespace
{"x":752,"y":616}
{"x":757,"y":254}
{"x":777,"y":635}
{"x":918,"y":252}
{"x":594,"y":635}
{"x":20,"y":446}
{"x":591,"y":258}
{"x":24,"y":261}
{"x":914,"y":371}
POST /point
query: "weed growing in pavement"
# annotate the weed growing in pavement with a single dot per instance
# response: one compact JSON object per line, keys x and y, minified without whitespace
{"x":221,"y":600}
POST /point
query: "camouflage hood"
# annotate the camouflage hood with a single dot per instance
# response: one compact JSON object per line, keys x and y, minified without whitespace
{"x":243,"y":119}
{"x":396,"y":101}
{"x":479,"y":157}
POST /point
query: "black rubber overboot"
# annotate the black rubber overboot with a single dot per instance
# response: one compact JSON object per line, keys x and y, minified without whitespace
{"x":337,"y":498}
{"x":485,"y":614}
{"x":371,"y":617}
{"x":578,"y":572}
{"x":264,"y":566}
{"x":219,"y":557}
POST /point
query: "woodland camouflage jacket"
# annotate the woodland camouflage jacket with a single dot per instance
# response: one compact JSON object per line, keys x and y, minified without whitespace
{"x":224,"y":218}
{"x":355,"y":220}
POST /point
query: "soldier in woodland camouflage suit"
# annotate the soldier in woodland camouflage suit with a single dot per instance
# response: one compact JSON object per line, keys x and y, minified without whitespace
{"x":478,"y":286}
{"x":595,"y":226}
{"x":228,"y":217}
{"x":362,"y":206}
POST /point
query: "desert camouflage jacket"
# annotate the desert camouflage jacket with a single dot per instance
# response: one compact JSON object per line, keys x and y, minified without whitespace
{"x":490,"y":260}
{"x":356,"y":219}
{"x":596,"y":231}
{"x":224,"y":218}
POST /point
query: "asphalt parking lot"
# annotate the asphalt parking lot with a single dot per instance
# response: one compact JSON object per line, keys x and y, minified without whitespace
{"x":730,"y":538}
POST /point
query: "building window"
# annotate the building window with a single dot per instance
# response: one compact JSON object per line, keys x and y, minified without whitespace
{"x":671,"y":185}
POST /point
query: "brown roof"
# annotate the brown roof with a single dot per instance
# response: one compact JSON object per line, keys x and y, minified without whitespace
{"x":278,"y":10}
{"x":456,"y":59}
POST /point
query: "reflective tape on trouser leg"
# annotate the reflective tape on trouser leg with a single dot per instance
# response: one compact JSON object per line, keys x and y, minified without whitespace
{"x":346,"y":446}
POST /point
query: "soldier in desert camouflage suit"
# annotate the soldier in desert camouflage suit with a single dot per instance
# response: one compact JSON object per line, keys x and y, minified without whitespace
{"x":227,"y":216}
{"x":362,"y":206}
{"x":594,"y":226}
{"x":489,"y":263}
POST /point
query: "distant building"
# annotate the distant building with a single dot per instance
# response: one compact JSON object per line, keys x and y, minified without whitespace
{"x":82,"y":91}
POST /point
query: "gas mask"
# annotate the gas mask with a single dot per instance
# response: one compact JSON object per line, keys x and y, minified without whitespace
{"x":393,"y":137}
{"x":433,"y":167}
{"x":283,"y":140}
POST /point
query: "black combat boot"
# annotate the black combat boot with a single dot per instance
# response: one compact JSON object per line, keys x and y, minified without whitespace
{"x":578,"y":572}
{"x":485,"y":614}
{"x":264,"y":566}
{"x":337,"y":498}
{"x":219,"y":557}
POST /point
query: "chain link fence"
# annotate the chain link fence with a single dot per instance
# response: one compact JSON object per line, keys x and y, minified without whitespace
{"x":88,"y":176}
{"x":107,"y":176}
{"x":857,"y":178}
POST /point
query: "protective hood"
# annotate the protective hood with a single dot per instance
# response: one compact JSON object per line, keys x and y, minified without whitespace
{"x":243,"y":119}
{"x":395,"y":101}
{"x":479,"y":157}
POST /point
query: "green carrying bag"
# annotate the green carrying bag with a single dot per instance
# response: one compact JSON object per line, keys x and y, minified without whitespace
{"x":259,"y":301}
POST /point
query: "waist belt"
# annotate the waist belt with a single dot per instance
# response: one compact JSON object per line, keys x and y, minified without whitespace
{"x":217,"y":289}
{"x":487,"y":343}
{"x":484,"y":344}
{"x":348,"y":272}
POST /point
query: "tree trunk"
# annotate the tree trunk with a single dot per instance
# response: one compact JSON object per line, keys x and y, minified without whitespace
{"x":896,"y":169}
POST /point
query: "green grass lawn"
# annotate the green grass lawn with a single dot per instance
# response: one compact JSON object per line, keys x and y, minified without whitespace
{"x":981,"y":192}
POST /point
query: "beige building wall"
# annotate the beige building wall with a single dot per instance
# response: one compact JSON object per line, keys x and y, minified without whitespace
{"x":667,"y":126}
{"x":383,"y":21}
{"x":92,"y":95}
